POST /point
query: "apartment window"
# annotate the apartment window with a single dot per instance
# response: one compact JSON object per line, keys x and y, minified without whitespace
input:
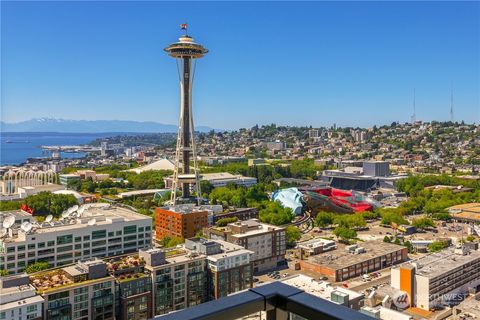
{"x":32,"y":308}
{"x":3,"y":315}
{"x":86,"y":238}
{"x":111,"y":234}
{"x":99,"y":234}
{"x":119,"y":233}
{"x":129,"y":238}
{"x":21,"y":248}
{"x":80,"y":290}
{"x":10,"y":249}
{"x":130,"y":229}
{"x":21,"y":256}
{"x":78,"y":239}
{"x":147,"y":228}
{"x":64,"y":256}
{"x":78,"y":246}
{"x":31,"y":246}
{"x":50,"y":243}
{"x":64,"y":248}
{"x":99,"y":243}
{"x":41,"y":244}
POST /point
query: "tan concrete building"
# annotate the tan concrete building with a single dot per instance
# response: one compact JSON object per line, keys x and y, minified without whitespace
{"x":268,"y":242}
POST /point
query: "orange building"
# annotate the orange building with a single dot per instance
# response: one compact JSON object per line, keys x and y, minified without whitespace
{"x":179,"y":221}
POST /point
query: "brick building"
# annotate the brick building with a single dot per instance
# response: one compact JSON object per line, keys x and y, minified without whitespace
{"x":179,"y":221}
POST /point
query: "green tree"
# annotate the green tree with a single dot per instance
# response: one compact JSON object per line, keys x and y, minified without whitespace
{"x":9,"y":205}
{"x":392,"y":215}
{"x":422,"y":223}
{"x":324,"y":219}
{"x":45,"y":203}
{"x":37,"y":266}
{"x":293,"y":235}
{"x":223,"y":222}
{"x":273,"y":213}
{"x":206,"y":187}
{"x":74,"y":185}
{"x":409,"y":246}
{"x":3,"y":272}
{"x":442,"y":216}
{"x":344,"y":233}
{"x":168,"y":242}
{"x":437,"y":246}
{"x":387,"y":239}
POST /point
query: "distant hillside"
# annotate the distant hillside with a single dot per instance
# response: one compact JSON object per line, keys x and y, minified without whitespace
{"x":88,"y":126}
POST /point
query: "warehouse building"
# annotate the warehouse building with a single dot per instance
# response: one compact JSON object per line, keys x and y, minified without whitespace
{"x":352,"y":261}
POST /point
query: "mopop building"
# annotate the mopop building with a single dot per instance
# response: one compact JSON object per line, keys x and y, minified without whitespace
{"x":185,"y":51}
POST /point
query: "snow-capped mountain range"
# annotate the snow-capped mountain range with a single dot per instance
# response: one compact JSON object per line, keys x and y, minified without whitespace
{"x":90,"y":126}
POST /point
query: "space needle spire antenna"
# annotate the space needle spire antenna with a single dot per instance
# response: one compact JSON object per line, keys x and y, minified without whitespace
{"x":451,"y":103}
{"x":185,"y":51}
{"x":414,"y":116}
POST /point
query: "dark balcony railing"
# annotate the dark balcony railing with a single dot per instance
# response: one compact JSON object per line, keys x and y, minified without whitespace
{"x":278,"y":300}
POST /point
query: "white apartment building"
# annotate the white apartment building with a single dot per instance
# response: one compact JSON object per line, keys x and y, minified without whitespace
{"x":436,"y":278}
{"x":18,"y":299}
{"x":267,"y":242}
{"x":94,"y":230}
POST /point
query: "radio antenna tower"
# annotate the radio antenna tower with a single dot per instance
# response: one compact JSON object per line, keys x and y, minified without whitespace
{"x":414,"y":116}
{"x":451,"y":103}
{"x":185,"y":51}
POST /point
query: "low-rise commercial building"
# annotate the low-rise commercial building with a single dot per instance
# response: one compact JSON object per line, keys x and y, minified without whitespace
{"x":435,"y":279}
{"x":316,"y":246}
{"x":240,"y":213}
{"x":268,"y":242}
{"x":352,"y":261}
{"x":68,"y":178}
{"x":94,"y":230}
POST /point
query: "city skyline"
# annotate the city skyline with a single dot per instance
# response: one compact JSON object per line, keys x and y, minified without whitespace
{"x":366,"y":60}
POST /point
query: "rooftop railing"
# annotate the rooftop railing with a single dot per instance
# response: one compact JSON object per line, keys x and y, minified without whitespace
{"x":275,"y":301}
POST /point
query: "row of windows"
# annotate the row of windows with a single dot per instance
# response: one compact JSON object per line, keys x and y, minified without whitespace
{"x":67,"y":239}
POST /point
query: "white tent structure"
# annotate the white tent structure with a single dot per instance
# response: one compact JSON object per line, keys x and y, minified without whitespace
{"x":162,"y":164}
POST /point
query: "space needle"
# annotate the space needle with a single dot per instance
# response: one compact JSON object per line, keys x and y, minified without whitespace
{"x":185,"y":51}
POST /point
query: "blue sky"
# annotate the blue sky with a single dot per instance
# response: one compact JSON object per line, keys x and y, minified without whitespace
{"x":302,"y":63}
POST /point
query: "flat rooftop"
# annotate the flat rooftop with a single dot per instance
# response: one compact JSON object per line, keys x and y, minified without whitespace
{"x":471,"y":307}
{"x":316,"y":242}
{"x":320,"y":289}
{"x":438,"y":263}
{"x":24,"y":295}
{"x":104,"y":214}
{"x":228,"y":249}
{"x":223,"y":176}
{"x":340,"y":258}
{"x":254,"y":227}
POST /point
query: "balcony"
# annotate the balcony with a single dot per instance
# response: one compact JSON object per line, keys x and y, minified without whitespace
{"x":278,"y":301}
